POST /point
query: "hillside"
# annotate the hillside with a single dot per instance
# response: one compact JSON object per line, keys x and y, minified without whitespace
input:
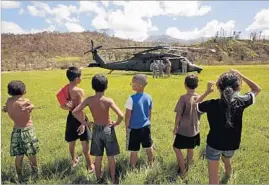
{"x":54,"y":50}
{"x":59,"y":50}
{"x":169,"y":40}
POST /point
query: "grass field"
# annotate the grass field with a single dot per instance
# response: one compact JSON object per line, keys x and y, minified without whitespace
{"x":62,"y":59}
{"x":251,"y":162}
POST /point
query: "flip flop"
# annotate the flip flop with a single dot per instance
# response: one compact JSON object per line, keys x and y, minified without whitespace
{"x":75,"y":164}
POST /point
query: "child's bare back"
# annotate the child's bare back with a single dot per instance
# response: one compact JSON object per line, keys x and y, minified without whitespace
{"x":99,"y":107}
{"x":76,"y":95}
{"x":16,"y":108}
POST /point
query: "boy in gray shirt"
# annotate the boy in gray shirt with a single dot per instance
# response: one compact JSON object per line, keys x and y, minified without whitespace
{"x":187,"y":123}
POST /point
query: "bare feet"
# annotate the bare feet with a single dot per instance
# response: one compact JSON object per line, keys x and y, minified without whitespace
{"x":75,"y":162}
{"x":91,"y":168}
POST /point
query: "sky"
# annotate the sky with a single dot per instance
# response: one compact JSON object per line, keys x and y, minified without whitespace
{"x":137,"y":20}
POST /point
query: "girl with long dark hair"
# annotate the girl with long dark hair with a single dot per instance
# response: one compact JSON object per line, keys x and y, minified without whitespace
{"x":225,"y":120}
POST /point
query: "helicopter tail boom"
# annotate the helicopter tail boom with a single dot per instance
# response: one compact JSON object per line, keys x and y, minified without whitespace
{"x":98,"y":61}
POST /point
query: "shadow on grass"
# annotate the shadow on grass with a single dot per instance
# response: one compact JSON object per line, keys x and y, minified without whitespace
{"x":59,"y":168}
{"x":82,"y":179}
{"x":8,"y":177}
{"x":123,"y":167}
{"x":224,"y":179}
{"x":162,"y":173}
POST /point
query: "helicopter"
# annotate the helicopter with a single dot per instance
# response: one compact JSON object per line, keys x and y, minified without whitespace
{"x":141,"y":61}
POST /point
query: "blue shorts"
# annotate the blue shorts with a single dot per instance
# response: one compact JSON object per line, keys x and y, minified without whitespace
{"x":214,"y":154}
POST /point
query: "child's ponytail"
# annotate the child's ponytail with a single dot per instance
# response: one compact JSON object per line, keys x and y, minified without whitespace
{"x":226,"y":96}
{"x":228,"y":83}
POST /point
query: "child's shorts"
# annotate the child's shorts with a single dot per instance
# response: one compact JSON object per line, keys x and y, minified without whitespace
{"x":104,"y":138}
{"x":214,"y":154}
{"x":71,"y":133}
{"x":24,"y":142}
{"x":135,"y":137}
{"x":183,"y":142}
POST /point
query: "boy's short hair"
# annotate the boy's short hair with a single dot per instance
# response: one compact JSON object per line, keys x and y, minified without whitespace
{"x":72,"y":73}
{"x":141,"y":79}
{"x":16,"y":87}
{"x":99,"y":83}
{"x":191,"y":81}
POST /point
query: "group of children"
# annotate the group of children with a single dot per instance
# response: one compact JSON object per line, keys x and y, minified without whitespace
{"x":224,"y":116}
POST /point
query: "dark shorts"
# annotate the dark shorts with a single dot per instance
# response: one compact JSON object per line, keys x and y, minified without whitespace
{"x":24,"y":142}
{"x":183,"y":142}
{"x":104,"y":138}
{"x":135,"y":137}
{"x":71,"y":133}
{"x":214,"y":154}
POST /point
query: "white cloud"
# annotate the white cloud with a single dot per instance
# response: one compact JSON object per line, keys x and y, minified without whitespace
{"x":265,"y":34}
{"x":51,"y":28}
{"x":35,"y":12}
{"x":64,"y":13}
{"x":133,"y":19}
{"x":185,"y":8}
{"x":119,"y":3}
{"x":21,"y":11}
{"x":10,"y":27}
{"x":105,"y":3}
{"x":100,"y":21}
{"x":10,"y":4}
{"x":88,"y":6}
{"x":59,"y":14}
{"x":39,"y":9}
{"x":209,"y":30}
{"x":154,"y":28}
{"x":261,"y":20}
{"x":131,"y":22}
{"x":73,"y":27}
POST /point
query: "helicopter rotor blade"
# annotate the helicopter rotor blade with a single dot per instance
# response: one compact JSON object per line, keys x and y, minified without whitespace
{"x":87,"y":52}
{"x":92,"y":50}
{"x":131,"y":47}
{"x":92,"y":44}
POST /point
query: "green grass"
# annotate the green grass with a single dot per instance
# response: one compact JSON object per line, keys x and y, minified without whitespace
{"x":251,"y":162}
{"x":62,"y":59}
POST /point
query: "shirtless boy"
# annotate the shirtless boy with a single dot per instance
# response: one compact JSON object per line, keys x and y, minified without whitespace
{"x":103,"y":135}
{"x":23,"y":137}
{"x":76,"y":96}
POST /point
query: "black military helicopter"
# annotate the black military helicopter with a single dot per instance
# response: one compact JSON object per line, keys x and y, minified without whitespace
{"x":142,"y":61}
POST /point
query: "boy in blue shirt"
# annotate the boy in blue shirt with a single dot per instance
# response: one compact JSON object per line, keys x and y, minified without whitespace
{"x":137,"y":120}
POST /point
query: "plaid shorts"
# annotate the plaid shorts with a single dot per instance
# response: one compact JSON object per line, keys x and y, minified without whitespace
{"x":23,"y":142}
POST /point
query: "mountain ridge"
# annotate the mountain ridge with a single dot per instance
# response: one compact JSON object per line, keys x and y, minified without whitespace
{"x":169,"y":40}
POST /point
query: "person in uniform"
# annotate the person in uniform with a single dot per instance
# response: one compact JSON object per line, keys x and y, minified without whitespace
{"x":161,"y":68}
{"x":168,"y":66}
{"x":184,"y":66}
{"x":155,"y":68}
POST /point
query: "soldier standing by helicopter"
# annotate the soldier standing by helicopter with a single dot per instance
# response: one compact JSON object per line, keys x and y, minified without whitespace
{"x":161,"y":68}
{"x":155,"y":68}
{"x":184,"y":64}
{"x":168,"y":66}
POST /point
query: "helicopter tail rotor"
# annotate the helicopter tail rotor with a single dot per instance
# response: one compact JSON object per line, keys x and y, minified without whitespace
{"x":93,"y":49}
